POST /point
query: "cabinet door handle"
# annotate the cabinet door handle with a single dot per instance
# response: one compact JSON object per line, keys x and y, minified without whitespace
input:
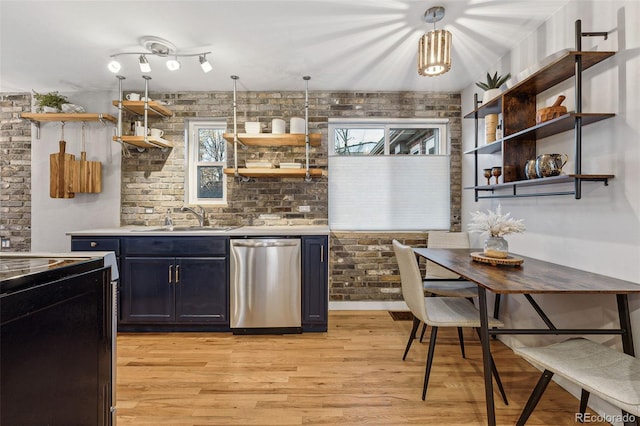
{"x":170,"y":273}
{"x":177,"y":274}
{"x":93,"y":244}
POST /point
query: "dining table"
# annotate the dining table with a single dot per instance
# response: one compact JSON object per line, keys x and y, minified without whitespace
{"x":531,"y":277}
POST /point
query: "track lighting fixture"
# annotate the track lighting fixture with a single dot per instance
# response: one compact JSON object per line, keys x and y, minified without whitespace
{"x":158,"y":47}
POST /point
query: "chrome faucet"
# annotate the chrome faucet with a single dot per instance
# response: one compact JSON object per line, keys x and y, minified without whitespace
{"x":199,"y":216}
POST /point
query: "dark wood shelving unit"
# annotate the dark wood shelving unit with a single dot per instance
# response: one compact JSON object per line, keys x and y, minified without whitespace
{"x":522,"y":134}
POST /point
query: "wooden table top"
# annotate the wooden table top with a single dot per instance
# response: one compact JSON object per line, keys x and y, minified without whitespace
{"x":533,"y":276}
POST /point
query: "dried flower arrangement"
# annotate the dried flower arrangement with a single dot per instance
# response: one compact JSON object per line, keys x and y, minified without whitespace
{"x":495,"y":223}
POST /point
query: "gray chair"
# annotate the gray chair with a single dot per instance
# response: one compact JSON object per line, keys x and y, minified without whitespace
{"x":435,"y":311}
{"x":613,"y":376}
{"x":440,"y":281}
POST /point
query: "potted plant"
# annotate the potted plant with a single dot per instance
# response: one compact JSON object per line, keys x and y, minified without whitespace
{"x":495,"y":225}
{"x":491,"y":89}
{"x":492,"y":85}
{"x":49,"y":102}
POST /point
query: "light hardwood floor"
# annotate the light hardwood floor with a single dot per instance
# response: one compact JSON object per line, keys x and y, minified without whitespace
{"x":351,"y":375}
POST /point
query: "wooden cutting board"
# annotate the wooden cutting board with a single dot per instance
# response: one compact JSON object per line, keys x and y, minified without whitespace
{"x":86,"y":175}
{"x":60,"y":173}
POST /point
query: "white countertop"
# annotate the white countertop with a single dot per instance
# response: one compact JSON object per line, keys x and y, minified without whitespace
{"x":234,"y":232}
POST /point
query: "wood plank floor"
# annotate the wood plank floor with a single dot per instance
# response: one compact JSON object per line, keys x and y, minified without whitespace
{"x":351,"y":375}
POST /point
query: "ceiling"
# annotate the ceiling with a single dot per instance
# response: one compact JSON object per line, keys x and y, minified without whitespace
{"x":365,"y":45}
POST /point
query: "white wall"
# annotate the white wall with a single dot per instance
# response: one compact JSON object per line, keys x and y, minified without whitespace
{"x":601,"y":232}
{"x":51,"y":218}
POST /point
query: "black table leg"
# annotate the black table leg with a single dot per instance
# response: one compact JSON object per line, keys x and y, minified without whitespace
{"x":627,"y":341}
{"x":625,"y":324}
{"x":486,"y":355}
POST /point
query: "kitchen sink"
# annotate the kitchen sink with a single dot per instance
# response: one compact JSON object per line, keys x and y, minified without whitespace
{"x":194,"y":228}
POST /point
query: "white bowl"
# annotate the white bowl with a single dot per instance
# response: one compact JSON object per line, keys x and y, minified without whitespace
{"x":252,"y":127}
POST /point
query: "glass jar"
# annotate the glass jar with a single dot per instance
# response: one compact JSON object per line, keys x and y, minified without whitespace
{"x":496,"y":247}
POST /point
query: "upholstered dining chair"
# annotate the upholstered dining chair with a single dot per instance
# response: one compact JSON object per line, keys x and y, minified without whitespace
{"x":435,"y":311}
{"x":440,"y":281}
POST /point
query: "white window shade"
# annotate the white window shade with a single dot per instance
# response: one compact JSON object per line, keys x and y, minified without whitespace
{"x":389,"y":193}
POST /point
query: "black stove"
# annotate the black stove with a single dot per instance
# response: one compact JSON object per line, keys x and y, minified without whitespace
{"x":57,"y":332}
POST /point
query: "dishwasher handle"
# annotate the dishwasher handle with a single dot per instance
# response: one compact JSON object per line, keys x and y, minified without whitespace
{"x":263,"y":243}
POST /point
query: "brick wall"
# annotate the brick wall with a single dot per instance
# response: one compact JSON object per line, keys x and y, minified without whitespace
{"x":15,"y":171}
{"x":156,"y":179}
{"x":362,"y":265}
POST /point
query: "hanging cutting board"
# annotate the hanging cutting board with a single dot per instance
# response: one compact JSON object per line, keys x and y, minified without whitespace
{"x":60,"y":173}
{"x":89,"y":174}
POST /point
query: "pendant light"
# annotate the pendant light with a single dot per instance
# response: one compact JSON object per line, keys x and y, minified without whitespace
{"x":434,"y":48}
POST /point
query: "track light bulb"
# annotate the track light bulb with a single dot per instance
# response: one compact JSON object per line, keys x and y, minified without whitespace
{"x":173,"y":64}
{"x":114,"y":66}
{"x":206,"y":66}
{"x":144,"y":64}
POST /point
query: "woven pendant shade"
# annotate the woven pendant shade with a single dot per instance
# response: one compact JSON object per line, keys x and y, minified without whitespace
{"x":434,"y":53}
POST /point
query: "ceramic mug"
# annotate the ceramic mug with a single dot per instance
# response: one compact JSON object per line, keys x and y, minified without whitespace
{"x":157,"y":133}
{"x":133,"y":96}
{"x":141,"y":131}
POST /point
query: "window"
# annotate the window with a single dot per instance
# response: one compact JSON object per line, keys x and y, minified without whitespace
{"x":205,"y":158}
{"x":399,"y":138}
{"x":389,"y":174}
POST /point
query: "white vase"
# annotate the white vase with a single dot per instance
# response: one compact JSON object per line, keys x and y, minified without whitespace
{"x":490,"y":94}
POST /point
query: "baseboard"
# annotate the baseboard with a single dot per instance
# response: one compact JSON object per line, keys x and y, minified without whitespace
{"x":378,"y":305}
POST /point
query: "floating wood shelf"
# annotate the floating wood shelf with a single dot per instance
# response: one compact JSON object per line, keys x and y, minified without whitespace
{"x":63,"y":116}
{"x":262,"y":173}
{"x":270,"y":139}
{"x":141,"y":143}
{"x":137,"y":107}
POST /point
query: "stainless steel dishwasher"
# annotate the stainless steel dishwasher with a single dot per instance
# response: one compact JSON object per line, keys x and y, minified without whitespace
{"x":265,"y":286}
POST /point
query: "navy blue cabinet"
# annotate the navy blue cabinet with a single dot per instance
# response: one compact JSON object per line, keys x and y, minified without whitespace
{"x":147,"y":290}
{"x":182,"y":282}
{"x":174,"y":290}
{"x":315,"y":297}
{"x":176,"y":283}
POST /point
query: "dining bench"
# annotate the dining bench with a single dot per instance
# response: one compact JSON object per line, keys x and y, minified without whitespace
{"x":613,"y":376}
